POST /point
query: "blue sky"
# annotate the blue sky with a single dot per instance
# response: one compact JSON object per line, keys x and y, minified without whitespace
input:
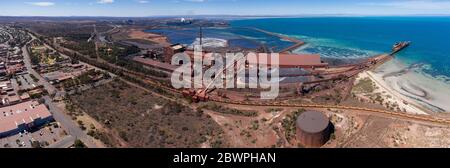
{"x":213,"y":7}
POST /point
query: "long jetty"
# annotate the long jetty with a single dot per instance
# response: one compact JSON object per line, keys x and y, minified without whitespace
{"x":298,"y":43}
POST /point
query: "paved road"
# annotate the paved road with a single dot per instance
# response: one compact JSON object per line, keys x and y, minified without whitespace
{"x":66,"y":121}
{"x":71,"y":127}
{"x":27,"y":60}
{"x":67,"y":142}
{"x":83,"y":63}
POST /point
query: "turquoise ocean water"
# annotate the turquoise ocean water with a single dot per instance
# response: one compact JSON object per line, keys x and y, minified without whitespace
{"x":341,"y":37}
{"x":355,"y":37}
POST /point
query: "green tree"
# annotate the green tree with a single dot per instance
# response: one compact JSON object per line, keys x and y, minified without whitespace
{"x":79,"y":144}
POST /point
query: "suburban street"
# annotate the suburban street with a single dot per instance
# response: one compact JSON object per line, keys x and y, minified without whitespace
{"x":66,"y":121}
{"x":9,"y":34}
{"x":64,"y":143}
{"x":72,"y":128}
{"x":27,"y":60}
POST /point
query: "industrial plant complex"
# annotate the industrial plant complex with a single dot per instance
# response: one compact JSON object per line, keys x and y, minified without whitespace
{"x":108,"y":82}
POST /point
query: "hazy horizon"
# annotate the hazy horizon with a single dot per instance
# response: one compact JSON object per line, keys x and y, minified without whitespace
{"x":234,"y":16}
{"x":152,"y":8}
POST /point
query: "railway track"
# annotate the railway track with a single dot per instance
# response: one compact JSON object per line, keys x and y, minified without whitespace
{"x":282,"y":104}
{"x":152,"y":81}
{"x":385,"y":112}
{"x":395,"y":114}
{"x":423,"y":118}
{"x":415,"y":117}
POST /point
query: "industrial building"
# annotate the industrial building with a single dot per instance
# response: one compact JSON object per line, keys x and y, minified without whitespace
{"x":307,"y":61}
{"x":313,"y":129}
{"x":172,"y":50}
{"x":24,"y":116}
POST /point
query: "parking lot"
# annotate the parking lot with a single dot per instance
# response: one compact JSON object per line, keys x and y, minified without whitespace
{"x":25,"y":82}
{"x":47,"y":135}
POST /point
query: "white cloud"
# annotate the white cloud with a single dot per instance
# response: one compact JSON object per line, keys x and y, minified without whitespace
{"x":43,"y":4}
{"x":415,"y":4}
{"x":196,"y":0}
{"x":143,"y":2}
{"x":105,"y":1}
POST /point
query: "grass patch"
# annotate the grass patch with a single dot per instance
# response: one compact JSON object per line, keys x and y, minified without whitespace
{"x":273,"y":110}
{"x":288,"y":124}
{"x":364,"y":85}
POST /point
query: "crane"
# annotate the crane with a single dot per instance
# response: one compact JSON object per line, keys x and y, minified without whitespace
{"x":202,"y":94}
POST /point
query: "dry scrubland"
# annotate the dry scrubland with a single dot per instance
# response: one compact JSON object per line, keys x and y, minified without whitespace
{"x":142,"y":119}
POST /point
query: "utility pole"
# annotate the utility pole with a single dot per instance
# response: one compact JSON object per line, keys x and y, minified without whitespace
{"x":201,"y":36}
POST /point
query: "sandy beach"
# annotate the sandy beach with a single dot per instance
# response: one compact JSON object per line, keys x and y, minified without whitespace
{"x":412,"y":91}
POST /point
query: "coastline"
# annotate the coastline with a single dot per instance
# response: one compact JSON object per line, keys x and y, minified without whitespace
{"x":143,"y":35}
{"x":415,"y":92}
{"x":402,"y":86}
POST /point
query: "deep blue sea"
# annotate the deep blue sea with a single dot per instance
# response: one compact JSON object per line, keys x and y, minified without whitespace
{"x":340,"y":37}
{"x":350,"y":37}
